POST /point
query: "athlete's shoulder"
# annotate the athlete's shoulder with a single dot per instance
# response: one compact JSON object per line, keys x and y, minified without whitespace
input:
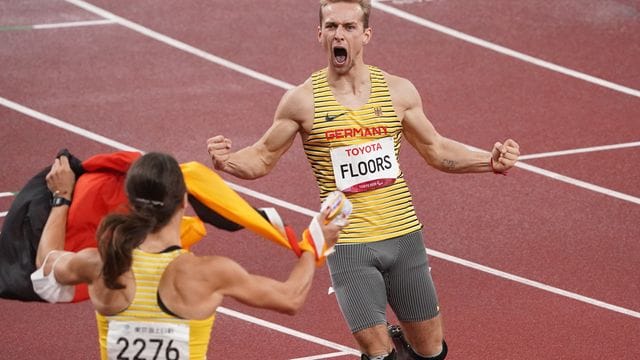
{"x":403,"y":93}
{"x":297,"y":102}
{"x":397,"y":83}
{"x":303,"y":90}
{"x":192,"y":265}
{"x":210,"y":272}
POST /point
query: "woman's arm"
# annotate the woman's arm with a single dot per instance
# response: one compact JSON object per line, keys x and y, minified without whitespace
{"x":60,"y":181}
{"x":70,"y":268}
{"x":259,"y":291}
{"x":74,"y":268}
{"x":199,"y":284}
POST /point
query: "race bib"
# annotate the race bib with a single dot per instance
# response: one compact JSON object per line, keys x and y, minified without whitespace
{"x":365,"y":166}
{"x":146,"y":340}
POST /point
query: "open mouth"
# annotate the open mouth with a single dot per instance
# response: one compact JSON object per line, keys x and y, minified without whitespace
{"x":340,"y":54}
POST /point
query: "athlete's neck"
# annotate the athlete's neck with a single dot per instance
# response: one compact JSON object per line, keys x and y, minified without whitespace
{"x":168,"y":236}
{"x":352,"y":88}
{"x":352,"y":80}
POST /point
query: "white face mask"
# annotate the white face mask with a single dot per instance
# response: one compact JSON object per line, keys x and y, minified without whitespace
{"x":48,"y":288}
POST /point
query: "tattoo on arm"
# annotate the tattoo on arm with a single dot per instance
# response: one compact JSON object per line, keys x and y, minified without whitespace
{"x":449,"y":164}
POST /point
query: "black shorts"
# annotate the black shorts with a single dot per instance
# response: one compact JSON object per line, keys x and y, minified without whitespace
{"x":367,"y":276}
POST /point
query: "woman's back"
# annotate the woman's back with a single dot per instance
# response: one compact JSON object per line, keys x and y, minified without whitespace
{"x":147,"y":328}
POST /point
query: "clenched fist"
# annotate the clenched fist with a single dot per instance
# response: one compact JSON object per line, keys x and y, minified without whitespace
{"x":219,"y":148}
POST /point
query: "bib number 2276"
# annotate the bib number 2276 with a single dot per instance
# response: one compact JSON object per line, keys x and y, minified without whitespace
{"x":139,"y":347}
{"x":147,"y":341}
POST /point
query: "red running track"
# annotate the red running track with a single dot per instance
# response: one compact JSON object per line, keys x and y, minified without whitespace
{"x":140,"y":92}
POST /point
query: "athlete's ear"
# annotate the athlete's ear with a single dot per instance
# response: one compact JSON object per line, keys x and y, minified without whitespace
{"x":320,"y":34}
{"x":367,"y":35}
{"x":185,"y":200}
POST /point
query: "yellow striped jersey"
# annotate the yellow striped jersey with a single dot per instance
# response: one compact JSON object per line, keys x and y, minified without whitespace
{"x":143,"y":330}
{"x":356,"y":151}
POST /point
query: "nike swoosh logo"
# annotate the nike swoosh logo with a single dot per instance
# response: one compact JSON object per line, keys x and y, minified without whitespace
{"x":332,"y":117}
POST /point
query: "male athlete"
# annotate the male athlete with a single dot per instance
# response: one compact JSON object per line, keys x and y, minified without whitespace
{"x":351,"y":118}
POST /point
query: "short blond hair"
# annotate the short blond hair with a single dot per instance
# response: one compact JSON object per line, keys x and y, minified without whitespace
{"x":365,"y":5}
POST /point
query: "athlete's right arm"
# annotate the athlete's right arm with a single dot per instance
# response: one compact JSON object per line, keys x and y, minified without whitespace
{"x":286,"y":297}
{"x":263,"y":292}
{"x":200,"y":283}
{"x":258,"y":159}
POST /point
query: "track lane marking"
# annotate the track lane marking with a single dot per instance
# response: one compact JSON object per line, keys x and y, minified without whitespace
{"x":57,"y":25}
{"x":73,"y":24}
{"x":579,"y":183}
{"x":65,"y":125}
{"x":581,"y":150}
{"x":288,"y":331}
{"x":569,"y":180}
{"x":503,"y":50}
{"x":532,"y":283}
{"x":323,"y":356}
{"x":180,"y":45}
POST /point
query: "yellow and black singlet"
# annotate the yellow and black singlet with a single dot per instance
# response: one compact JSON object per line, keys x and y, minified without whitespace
{"x":356,"y":151}
{"x":144,"y":330}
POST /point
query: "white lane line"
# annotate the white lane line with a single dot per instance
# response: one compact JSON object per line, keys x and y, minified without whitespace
{"x":571,"y":181}
{"x":579,"y":183}
{"x":64,"y":125}
{"x":532,"y":283}
{"x":324,"y":356}
{"x":120,"y":146}
{"x":272,"y":200}
{"x":73,"y":24}
{"x":5,"y":194}
{"x":288,"y":331}
{"x":580,"y":150}
{"x":503,"y":50}
{"x":55,"y":25}
{"x":180,"y":45}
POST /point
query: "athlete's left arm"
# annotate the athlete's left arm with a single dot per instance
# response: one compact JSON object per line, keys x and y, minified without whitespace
{"x":440,"y":152}
{"x":70,"y":268}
